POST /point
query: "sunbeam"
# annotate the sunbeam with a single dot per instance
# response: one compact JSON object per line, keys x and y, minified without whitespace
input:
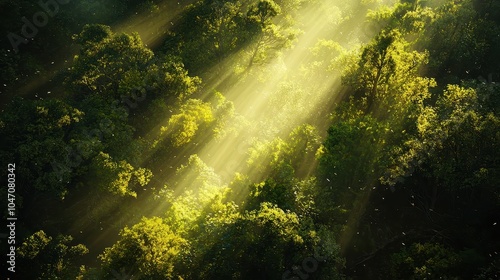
{"x":251,"y":139}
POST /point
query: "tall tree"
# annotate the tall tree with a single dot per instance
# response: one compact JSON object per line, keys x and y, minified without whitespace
{"x":44,"y":257}
{"x":147,"y":250}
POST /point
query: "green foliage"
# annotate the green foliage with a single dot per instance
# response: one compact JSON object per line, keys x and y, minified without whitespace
{"x":217,"y":28}
{"x":327,"y":58}
{"x":121,"y":67}
{"x":197,"y":172}
{"x":381,"y":75}
{"x":224,"y":116}
{"x":224,"y":28}
{"x":34,"y":135}
{"x":263,"y":154}
{"x":266,"y":157}
{"x":106,"y":60}
{"x":289,"y":100}
{"x":412,"y":19}
{"x":171,"y":78}
{"x":191,"y":205}
{"x":148,"y":250}
{"x":183,"y":126}
{"x":449,"y":137}
{"x":259,"y":244}
{"x":278,"y":191}
{"x":45,"y":257}
{"x":271,"y":38}
{"x":350,"y":161}
{"x":93,"y":35}
{"x":303,"y":143}
{"x":283,"y":189}
{"x":55,"y":142}
{"x":439,"y":154}
{"x":104,"y":128}
{"x":353,"y":146}
{"x":425,"y":261}
{"x":458,"y":51}
{"x":119,"y":177}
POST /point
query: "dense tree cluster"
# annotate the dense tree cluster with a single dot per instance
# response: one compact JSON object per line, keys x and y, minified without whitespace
{"x":392,"y":174}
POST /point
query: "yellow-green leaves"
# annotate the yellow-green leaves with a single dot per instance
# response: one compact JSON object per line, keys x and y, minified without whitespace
{"x":387,"y":75}
{"x":118,"y":177}
{"x":44,"y":257}
{"x":449,"y":137}
{"x":149,"y":249}
{"x":183,"y":126}
{"x":264,"y":11}
{"x":108,"y":61}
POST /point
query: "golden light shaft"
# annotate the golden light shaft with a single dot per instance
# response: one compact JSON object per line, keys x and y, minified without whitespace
{"x":251,"y":96}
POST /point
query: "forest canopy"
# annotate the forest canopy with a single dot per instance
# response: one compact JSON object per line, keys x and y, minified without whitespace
{"x":251,"y":139}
